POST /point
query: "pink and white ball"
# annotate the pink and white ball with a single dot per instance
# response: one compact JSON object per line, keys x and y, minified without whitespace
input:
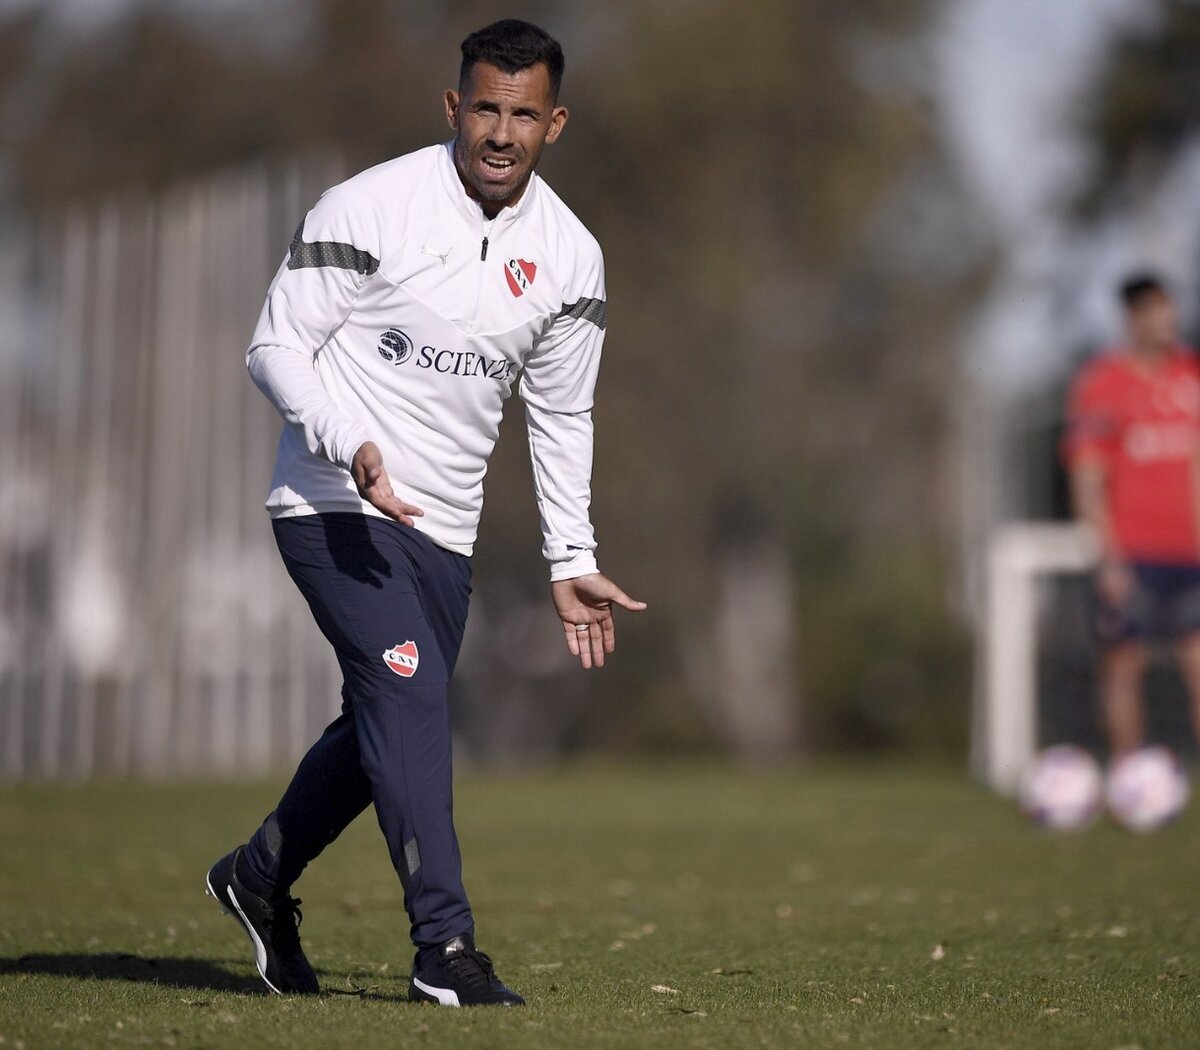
{"x":1062,"y":788}
{"x":1146,"y":789}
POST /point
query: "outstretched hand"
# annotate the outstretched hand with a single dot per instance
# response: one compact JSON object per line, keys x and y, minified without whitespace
{"x":374,"y":486}
{"x":587,"y":601}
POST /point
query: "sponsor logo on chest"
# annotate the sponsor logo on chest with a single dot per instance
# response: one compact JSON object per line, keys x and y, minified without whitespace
{"x":1162,"y":442}
{"x":396,"y":348}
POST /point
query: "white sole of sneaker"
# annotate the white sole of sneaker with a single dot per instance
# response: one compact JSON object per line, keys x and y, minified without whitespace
{"x":260,"y":951}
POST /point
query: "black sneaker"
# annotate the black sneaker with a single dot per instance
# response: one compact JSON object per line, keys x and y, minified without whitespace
{"x":273,"y":928}
{"x":460,"y":976}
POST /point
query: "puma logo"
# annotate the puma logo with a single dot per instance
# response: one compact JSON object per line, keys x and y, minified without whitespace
{"x":427,"y":249}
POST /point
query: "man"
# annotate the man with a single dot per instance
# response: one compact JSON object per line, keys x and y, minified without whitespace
{"x":1132,"y":448}
{"x":413,"y":295}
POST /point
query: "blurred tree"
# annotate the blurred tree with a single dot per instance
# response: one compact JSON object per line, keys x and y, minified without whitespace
{"x":786,"y":264}
{"x":142,"y":103}
{"x":785,"y":341}
{"x":1150,"y":99}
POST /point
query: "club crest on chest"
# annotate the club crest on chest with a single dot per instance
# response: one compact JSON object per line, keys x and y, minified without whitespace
{"x":520,"y":274}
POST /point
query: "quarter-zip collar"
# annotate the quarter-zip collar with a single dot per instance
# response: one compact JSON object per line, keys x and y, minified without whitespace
{"x":471,"y":209}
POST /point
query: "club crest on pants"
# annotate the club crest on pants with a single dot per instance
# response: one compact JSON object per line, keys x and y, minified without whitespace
{"x":403,"y":659}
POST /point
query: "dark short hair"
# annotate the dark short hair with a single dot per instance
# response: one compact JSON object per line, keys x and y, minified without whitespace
{"x":512,"y":46}
{"x":1137,"y":286}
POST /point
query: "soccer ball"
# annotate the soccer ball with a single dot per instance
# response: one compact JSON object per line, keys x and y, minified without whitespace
{"x":1062,"y":788}
{"x":1146,"y":789}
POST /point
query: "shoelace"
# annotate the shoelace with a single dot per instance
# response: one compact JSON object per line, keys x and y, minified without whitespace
{"x":286,"y":918}
{"x":471,"y":967}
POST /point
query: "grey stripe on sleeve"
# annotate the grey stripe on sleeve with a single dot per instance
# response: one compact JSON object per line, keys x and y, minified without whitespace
{"x":594,"y":310}
{"x":336,"y":254}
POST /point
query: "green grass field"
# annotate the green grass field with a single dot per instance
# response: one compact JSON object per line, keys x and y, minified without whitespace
{"x":674,"y":906}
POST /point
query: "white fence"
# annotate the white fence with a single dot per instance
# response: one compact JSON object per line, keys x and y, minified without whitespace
{"x":146,"y":622}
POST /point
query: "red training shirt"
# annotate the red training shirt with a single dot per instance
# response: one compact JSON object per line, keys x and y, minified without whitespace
{"x":1143,"y":425}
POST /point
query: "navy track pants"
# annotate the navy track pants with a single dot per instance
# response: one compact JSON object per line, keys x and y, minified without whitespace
{"x":393,"y":605}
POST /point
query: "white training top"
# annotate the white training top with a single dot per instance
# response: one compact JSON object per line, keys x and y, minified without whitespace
{"x":402,"y":315}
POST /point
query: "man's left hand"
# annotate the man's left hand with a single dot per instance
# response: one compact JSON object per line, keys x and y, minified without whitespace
{"x":585,"y":605}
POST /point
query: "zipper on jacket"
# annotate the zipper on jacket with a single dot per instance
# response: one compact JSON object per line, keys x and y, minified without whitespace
{"x":487,"y":229}
{"x":487,"y":232}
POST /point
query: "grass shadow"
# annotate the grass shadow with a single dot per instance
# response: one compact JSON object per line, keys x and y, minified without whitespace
{"x":197,"y":974}
{"x":371,"y":995}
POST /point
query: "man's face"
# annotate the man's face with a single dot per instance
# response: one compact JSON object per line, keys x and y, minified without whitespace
{"x":1153,"y":320}
{"x":502,"y":120}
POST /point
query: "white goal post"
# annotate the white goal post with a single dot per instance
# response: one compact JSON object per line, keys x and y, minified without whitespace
{"x":1004,"y":732}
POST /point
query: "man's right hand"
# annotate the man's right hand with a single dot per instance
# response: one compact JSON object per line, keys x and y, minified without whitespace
{"x":1115,"y":582}
{"x":374,"y":486}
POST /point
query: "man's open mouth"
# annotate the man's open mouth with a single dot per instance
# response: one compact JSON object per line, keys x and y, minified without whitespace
{"x":498,"y":165}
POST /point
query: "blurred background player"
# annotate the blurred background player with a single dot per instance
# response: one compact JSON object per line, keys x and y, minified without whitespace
{"x":1132,"y":450}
